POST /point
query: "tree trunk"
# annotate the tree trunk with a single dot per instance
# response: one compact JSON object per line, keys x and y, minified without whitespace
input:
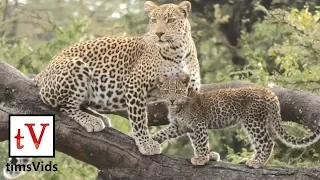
{"x":116,"y":154}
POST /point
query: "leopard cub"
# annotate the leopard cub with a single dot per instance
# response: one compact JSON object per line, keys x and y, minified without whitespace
{"x":257,"y":109}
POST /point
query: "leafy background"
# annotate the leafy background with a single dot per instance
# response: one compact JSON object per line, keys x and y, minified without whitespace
{"x":274,"y":44}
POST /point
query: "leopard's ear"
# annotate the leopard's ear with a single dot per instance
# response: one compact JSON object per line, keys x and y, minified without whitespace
{"x":149,"y":6}
{"x":160,"y":79}
{"x":185,"y":6}
{"x":185,"y":79}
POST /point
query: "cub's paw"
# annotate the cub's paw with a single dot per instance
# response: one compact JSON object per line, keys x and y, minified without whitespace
{"x":200,"y":160}
{"x":254,"y":164}
{"x":251,"y":163}
{"x":243,"y":161}
{"x":214,"y":156}
{"x":149,"y":147}
{"x":94,"y":125}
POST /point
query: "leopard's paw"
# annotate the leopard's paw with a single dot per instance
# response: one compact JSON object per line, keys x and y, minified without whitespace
{"x":200,"y":160}
{"x":254,"y":164}
{"x":94,"y":124}
{"x":149,"y":147}
{"x":214,"y":156}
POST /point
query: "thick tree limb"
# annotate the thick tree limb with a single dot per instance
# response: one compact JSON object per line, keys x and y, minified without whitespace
{"x":116,"y":155}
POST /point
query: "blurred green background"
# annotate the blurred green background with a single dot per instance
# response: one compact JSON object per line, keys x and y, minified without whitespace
{"x":276,"y":43}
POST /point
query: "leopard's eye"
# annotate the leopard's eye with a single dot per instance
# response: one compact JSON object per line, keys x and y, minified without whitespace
{"x":171,"y":20}
{"x":153,"y":20}
{"x":164,"y":91}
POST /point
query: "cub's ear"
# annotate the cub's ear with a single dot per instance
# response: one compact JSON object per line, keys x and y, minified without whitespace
{"x":149,"y":6}
{"x":160,"y":79}
{"x":185,"y":79}
{"x":185,"y":6}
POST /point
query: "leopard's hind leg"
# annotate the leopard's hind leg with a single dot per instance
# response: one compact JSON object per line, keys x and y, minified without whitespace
{"x":68,"y":89}
{"x":255,"y":126}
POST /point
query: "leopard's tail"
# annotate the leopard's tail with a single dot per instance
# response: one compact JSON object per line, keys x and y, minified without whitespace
{"x":292,"y":141}
{"x":16,"y":167}
{"x":36,"y":79}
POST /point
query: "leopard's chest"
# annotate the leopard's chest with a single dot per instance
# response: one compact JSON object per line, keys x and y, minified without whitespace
{"x":174,"y":69}
{"x":107,"y":91}
{"x":107,"y":88}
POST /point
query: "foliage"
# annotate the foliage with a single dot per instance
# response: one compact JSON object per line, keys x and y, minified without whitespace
{"x":295,"y":52}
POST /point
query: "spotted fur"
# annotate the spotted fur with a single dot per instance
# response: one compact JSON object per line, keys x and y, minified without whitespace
{"x":111,"y":73}
{"x":257,"y":109}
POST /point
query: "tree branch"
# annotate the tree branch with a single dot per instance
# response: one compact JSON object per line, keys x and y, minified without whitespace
{"x":116,"y":154}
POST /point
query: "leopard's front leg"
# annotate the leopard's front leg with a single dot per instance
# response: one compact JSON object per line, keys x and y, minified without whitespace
{"x":200,"y":142}
{"x":194,"y":70}
{"x":137,"y":113}
{"x":172,"y":131}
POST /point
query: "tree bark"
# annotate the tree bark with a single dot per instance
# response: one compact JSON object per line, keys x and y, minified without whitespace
{"x":116,"y":154}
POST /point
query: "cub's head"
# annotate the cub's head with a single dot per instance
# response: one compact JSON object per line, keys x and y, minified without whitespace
{"x":173,"y":89}
{"x":168,"y":22}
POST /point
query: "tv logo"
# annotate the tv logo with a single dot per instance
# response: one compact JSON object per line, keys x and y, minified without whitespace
{"x":31,"y":136}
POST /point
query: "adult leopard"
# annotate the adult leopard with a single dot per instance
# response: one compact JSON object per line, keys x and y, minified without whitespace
{"x":116,"y":72}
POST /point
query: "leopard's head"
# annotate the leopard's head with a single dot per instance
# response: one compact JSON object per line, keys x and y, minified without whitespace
{"x":168,"y":23}
{"x":173,"y":89}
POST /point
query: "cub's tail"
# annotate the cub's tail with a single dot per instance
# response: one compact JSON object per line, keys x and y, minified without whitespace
{"x":15,"y":167}
{"x":292,"y":141}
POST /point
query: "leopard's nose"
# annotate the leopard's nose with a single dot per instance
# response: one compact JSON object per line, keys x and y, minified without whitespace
{"x":171,"y":101}
{"x":159,"y":34}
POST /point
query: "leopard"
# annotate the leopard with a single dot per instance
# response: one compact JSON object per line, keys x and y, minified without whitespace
{"x":193,"y":113}
{"x":116,"y":72}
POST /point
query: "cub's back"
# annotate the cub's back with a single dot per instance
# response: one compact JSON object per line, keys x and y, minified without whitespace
{"x":242,"y":96}
{"x":226,"y":107}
